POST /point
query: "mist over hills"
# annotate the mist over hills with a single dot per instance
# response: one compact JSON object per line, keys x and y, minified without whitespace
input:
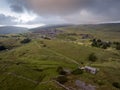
{"x":105,"y":26}
{"x":12,"y":30}
{"x":49,"y":27}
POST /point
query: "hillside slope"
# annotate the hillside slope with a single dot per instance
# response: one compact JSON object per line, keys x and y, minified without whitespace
{"x":33,"y":66}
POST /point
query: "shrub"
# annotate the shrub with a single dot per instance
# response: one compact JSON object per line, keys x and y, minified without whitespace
{"x":92,"y":57}
{"x":117,"y":45}
{"x":61,"y":71}
{"x":116,"y":84}
{"x":62,"y":79}
{"x":2,"y":48}
{"x":94,"y":43}
{"x":104,"y":46}
{"x":82,"y":63}
{"x":27,"y":40}
{"x":77,"y":71}
{"x":44,"y":45}
{"x":100,"y":44}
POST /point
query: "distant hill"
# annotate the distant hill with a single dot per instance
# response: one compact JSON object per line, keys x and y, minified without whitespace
{"x":112,"y":27}
{"x":48,"y":27}
{"x":105,"y":31}
{"x":12,"y":30}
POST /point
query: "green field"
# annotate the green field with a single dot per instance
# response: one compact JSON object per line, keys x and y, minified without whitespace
{"x":33,"y":66}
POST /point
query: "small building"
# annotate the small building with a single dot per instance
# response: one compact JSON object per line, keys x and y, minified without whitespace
{"x":89,"y":69}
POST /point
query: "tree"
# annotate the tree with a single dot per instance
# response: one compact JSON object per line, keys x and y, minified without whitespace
{"x":92,"y":57}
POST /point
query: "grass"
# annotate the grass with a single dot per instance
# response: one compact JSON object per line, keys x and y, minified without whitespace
{"x":110,"y":33}
{"x":33,"y":67}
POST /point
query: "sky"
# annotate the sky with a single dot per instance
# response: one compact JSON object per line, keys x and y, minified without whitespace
{"x":42,"y":12}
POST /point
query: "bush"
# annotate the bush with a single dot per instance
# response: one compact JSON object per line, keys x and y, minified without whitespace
{"x":2,"y":48}
{"x":77,"y":71}
{"x":104,"y":46}
{"x":116,"y":45}
{"x":62,"y":79}
{"x":61,"y":71}
{"x":27,"y":40}
{"x":44,"y":45}
{"x":116,"y":84}
{"x":92,"y":57}
{"x":100,"y":44}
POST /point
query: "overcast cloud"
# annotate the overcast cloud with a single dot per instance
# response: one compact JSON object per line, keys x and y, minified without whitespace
{"x":7,"y":20}
{"x":17,"y":8}
{"x":64,"y":11}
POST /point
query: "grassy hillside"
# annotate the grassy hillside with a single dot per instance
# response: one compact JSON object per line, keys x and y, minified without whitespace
{"x":33,"y":65}
{"x":22,"y":67}
{"x":103,"y":31}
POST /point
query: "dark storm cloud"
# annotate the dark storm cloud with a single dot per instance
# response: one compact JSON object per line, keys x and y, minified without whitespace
{"x":17,"y":8}
{"x":107,"y":10}
{"x":4,"y":20}
{"x":52,"y":7}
